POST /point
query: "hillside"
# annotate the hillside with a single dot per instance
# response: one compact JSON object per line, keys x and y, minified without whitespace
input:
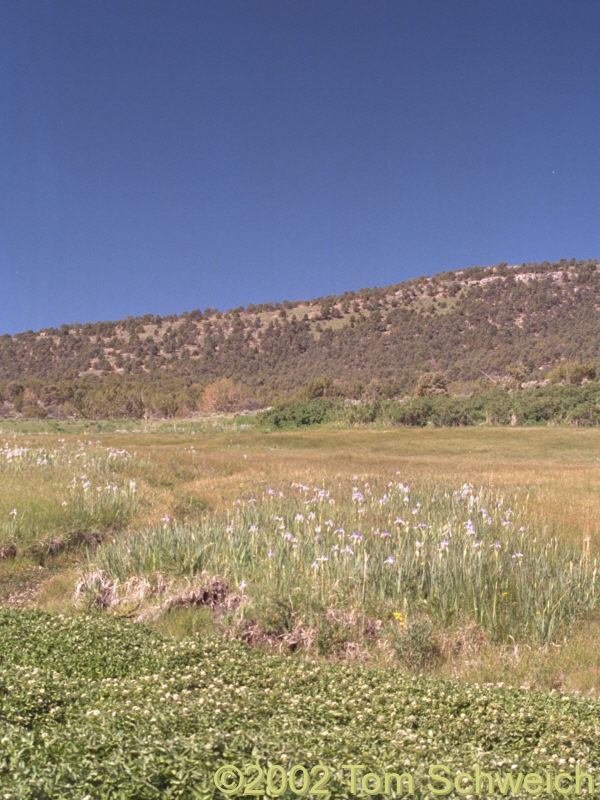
{"x":472,"y":324}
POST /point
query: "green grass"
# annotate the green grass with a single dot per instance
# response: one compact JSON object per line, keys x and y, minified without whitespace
{"x":57,"y":497}
{"x":373,"y":548}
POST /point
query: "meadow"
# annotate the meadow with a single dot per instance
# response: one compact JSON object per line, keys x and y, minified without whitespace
{"x":410,"y":588}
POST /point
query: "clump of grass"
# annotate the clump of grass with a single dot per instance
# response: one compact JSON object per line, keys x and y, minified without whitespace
{"x":453,"y":555}
{"x":181,"y":622}
{"x":55,"y":498}
{"x":417,"y":643}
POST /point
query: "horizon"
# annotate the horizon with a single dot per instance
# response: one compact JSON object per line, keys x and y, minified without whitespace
{"x":159,"y":158}
{"x":73,"y":323}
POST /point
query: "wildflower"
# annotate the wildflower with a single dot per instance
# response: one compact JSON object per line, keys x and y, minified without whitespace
{"x":271,"y":553}
{"x":253,"y":528}
{"x":13,"y":513}
{"x":389,"y":560}
{"x":444,"y":543}
{"x":243,"y":585}
{"x":517,"y":555}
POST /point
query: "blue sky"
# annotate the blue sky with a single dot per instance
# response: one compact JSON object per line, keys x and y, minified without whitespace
{"x":165,"y":156}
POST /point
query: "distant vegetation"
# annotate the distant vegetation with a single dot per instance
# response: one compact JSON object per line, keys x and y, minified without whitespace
{"x":564,"y":405}
{"x":460,"y":334}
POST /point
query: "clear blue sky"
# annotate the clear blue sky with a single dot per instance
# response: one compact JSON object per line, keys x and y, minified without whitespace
{"x":165,"y":156}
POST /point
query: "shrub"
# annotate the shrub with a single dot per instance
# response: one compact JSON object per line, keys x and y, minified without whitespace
{"x":573,"y":372}
{"x":225,"y":394}
{"x":34,"y":411}
{"x":431,"y":383}
{"x":293,"y":415}
{"x":416,"y":643}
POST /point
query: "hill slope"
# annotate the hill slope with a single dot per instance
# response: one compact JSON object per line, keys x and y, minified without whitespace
{"x":468,"y":323}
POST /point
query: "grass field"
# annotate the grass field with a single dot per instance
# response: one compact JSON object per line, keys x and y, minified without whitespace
{"x":468,"y":557}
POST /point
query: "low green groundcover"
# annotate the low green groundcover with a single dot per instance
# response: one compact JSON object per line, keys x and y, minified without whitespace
{"x":97,"y":708}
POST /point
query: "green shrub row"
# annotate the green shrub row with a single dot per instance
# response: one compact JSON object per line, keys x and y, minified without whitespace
{"x":570,"y":405}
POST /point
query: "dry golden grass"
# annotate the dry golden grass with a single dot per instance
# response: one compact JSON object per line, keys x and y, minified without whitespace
{"x":187,"y":474}
{"x":559,"y":468}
